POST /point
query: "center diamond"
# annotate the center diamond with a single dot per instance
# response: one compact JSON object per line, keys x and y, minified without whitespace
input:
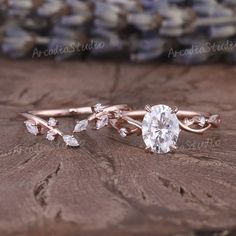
{"x":160,"y":129}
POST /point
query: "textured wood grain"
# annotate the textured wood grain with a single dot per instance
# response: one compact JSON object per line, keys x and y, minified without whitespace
{"x":110,"y":186}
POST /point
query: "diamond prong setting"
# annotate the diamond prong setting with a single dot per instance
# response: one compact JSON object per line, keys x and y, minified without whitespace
{"x":173,"y":148}
{"x":148,"y":108}
{"x":148,"y":150}
{"x":174,"y":109}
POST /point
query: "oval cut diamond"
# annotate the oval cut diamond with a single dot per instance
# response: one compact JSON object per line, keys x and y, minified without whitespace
{"x":160,"y":129}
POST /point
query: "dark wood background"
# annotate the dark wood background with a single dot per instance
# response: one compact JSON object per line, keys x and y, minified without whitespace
{"x":110,"y":186}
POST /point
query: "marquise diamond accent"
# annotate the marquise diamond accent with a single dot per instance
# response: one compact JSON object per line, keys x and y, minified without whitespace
{"x":70,"y":140}
{"x":32,"y":127}
{"x":102,"y":121}
{"x":81,"y":126}
{"x":160,"y":129}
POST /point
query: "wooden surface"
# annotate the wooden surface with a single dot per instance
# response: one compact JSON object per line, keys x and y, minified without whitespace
{"x":110,"y":186}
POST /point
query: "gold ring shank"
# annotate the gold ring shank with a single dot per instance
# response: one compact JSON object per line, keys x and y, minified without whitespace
{"x":62,"y":112}
{"x":138,"y":114}
{"x":181,"y":114}
{"x":75,"y":111}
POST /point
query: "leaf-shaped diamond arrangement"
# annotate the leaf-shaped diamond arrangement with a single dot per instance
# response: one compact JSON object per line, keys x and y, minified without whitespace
{"x":100,"y":116}
{"x":82,"y":125}
{"x":35,"y":128}
{"x":35,"y":125}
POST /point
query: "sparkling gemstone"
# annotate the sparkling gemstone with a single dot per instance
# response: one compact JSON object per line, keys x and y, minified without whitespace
{"x":123,"y":132}
{"x":32,"y":127}
{"x":98,"y":108}
{"x":52,"y":122}
{"x":102,"y":121}
{"x":202,"y":121}
{"x":70,"y":140}
{"x":51,"y":136}
{"x":81,"y":126}
{"x":160,"y":129}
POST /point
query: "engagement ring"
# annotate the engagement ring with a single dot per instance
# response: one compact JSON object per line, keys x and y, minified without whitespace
{"x":158,"y":125}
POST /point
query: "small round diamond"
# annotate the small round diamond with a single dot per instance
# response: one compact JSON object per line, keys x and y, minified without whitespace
{"x":98,"y":108}
{"x":160,"y":129}
{"x":123,"y":132}
{"x":52,"y":122}
{"x":51,"y":136}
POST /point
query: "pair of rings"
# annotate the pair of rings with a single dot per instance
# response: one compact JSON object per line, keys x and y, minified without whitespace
{"x":159,"y":125}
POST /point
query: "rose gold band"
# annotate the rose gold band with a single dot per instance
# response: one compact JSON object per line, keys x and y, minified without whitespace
{"x":74,"y":111}
{"x":88,"y":110}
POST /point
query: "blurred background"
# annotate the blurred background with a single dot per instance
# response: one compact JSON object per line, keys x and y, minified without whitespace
{"x":115,"y":52}
{"x":180,"y":31}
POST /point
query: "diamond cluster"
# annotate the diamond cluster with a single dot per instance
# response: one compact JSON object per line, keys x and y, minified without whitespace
{"x":160,"y":129}
{"x":52,"y":132}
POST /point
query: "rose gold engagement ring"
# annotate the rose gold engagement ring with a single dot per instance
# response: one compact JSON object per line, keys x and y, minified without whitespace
{"x":159,"y":125}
